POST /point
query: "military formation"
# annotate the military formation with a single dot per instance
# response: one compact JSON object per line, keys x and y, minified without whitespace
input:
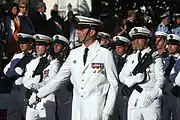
{"x":131,"y":76}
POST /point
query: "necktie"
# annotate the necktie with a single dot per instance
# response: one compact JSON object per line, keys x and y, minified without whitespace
{"x":120,"y":64}
{"x":85,"y":55}
{"x":139,"y":56}
{"x":170,"y":66}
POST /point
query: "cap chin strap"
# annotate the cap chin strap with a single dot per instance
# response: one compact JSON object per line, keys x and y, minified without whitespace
{"x":160,"y":40}
{"x":87,"y":34}
{"x":147,"y":40}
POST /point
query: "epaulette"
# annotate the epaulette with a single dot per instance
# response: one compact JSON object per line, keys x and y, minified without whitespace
{"x":155,"y":55}
{"x":76,"y":47}
{"x":49,"y":58}
{"x":18,"y":52}
{"x":135,"y":51}
{"x":102,"y":46}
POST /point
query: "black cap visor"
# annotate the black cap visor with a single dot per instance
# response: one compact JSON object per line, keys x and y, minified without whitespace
{"x":120,"y":43}
{"x":173,"y":42}
{"x":26,"y":41}
{"x":139,"y":37}
{"x":41,"y":43}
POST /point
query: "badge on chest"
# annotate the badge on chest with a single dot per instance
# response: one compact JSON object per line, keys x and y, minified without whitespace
{"x":98,"y":67}
{"x":46,"y":73}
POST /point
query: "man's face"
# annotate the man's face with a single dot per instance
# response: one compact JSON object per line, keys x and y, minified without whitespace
{"x":41,"y":49}
{"x":25,"y":47}
{"x":178,"y":20}
{"x":173,"y":49}
{"x":166,"y":21}
{"x":81,"y":33}
{"x":140,"y":43}
{"x":160,"y":42}
{"x":23,"y":8}
{"x":104,"y":41}
{"x":134,"y":45}
{"x":43,"y":9}
{"x":57,"y":47}
{"x":121,"y":49}
{"x":133,"y":16}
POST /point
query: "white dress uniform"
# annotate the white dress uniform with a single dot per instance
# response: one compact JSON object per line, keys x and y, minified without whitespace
{"x":47,"y":105}
{"x":170,"y":102}
{"x":147,"y":104}
{"x":95,"y":83}
{"x":15,"y":109}
{"x":45,"y":109}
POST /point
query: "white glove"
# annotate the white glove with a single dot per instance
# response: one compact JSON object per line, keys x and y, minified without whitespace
{"x":139,"y":77}
{"x":32,"y":99}
{"x":105,"y":116}
{"x":147,"y":101}
{"x":19,"y":81}
{"x":35,"y":86}
{"x":156,"y":93}
{"x":18,"y":70}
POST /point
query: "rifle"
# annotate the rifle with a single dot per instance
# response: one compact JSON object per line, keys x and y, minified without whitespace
{"x":43,"y":63}
{"x":144,"y":63}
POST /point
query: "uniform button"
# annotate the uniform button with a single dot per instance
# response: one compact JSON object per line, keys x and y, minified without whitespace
{"x":82,"y":88}
{"x":83,"y":80}
{"x":81,"y":95}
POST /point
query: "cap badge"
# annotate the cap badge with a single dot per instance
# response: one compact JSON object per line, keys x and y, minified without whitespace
{"x":37,"y":37}
{"x":74,"y":61}
{"x":135,"y":30}
{"x":171,"y":37}
{"x":57,"y":37}
{"x":117,"y":38}
{"x":20,"y":36}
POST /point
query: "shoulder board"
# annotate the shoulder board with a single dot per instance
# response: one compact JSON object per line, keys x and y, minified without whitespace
{"x":76,"y":47}
{"x":155,"y":55}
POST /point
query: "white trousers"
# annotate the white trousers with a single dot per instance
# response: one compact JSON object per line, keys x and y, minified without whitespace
{"x":46,"y":113}
{"x":144,"y":114}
